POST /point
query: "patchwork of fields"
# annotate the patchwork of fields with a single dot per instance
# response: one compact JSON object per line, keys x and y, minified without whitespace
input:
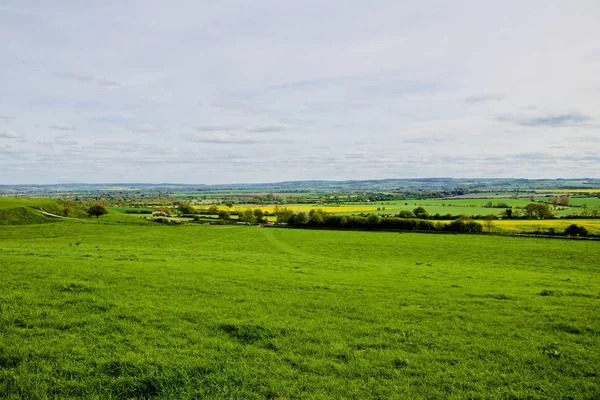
{"x":433,"y":206}
{"x":107,"y":310}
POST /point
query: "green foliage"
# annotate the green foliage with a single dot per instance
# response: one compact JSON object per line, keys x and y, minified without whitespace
{"x":96,"y":210}
{"x":185,"y":207}
{"x":247,"y":216}
{"x":259,"y":214}
{"x":135,"y":311}
{"x":406,"y":214}
{"x":300,"y":218}
{"x":420,"y":212}
{"x":538,"y":210}
{"x":373,"y":221}
{"x":576,"y":230}
{"x":214,"y":210}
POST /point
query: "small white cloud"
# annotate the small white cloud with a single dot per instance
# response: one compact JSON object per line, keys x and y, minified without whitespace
{"x":10,"y":134}
{"x":74,"y":76}
{"x":65,"y":141}
{"x":108,"y":83}
{"x":144,"y":128}
{"x":484,"y":98}
{"x":222,"y":138}
{"x":276,"y":127}
{"x":216,"y":128}
{"x":226,"y":138}
{"x":62,"y":127}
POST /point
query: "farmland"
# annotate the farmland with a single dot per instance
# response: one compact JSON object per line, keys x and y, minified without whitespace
{"x":125,"y":310}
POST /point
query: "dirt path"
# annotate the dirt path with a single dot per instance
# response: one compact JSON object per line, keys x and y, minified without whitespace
{"x":54,"y":215}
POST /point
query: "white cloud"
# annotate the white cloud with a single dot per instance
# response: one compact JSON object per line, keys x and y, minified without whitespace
{"x":65,"y":141}
{"x":275,"y":127}
{"x":62,"y":127}
{"x":144,"y":128}
{"x":10,"y":134}
{"x":223,"y":138}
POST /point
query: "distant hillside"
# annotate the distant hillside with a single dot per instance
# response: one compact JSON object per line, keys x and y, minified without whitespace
{"x":466,"y":185}
{"x":23,"y":216}
{"x":22,"y":211}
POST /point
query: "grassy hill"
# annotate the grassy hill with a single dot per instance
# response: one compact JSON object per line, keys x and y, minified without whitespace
{"x":23,"y":211}
{"x":93,"y":310}
{"x":22,"y":216}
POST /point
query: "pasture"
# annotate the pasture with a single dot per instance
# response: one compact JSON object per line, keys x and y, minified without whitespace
{"x":101,"y":309}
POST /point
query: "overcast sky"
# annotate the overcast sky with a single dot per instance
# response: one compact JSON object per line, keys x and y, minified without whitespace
{"x":261,"y":91}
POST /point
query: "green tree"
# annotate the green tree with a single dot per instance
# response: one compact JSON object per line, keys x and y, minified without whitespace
{"x":224,"y":215}
{"x":316,"y":217}
{"x":185,"y":207}
{"x":564,"y":201}
{"x":489,"y":222}
{"x":572,"y":230}
{"x":406,"y":214}
{"x":373,"y":221}
{"x":247,"y":216}
{"x":259,"y":214}
{"x":284,"y":215}
{"x":97,"y":210}
{"x":420,"y":212}
{"x":300,"y":218}
{"x":213,"y":210}
{"x":538,"y":210}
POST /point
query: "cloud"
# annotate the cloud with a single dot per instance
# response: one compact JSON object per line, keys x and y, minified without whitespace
{"x":10,"y":134}
{"x":65,"y":141}
{"x":587,"y":139}
{"x":6,"y":118}
{"x":486,"y":98}
{"x":275,"y":127}
{"x":9,"y":152}
{"x":217,"y":128}
{"x":108,"y":83}
{"x":226,"y":138}
{"x":220,"y":138}
{"x":83,"y":78}
{"x":236,"y":106}
{"x":62,"y":127}
{"x":71,"y":76}
{"x":144,"y":128}
{"x":267,"y":128}
{"x":424,"y":140}
{"x":548,"y":120}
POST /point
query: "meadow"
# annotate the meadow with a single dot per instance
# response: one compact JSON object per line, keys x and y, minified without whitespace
{"x":121,"y":308}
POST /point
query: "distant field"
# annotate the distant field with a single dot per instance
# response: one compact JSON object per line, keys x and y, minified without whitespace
{"x":10,"y":202}
{"x":106,"y":310}
{"x":301,"y":207}
{"x":592,"y":225}
{"x":433,"y":206}
{"x":596,"y":190}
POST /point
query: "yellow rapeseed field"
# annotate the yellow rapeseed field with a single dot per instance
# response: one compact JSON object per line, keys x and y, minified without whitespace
{"x":568,"y":191}
{"x":516,"y":225}
{"x":592,"y":225}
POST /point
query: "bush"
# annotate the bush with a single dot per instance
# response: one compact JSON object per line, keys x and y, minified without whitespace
{"x":461,"y":225}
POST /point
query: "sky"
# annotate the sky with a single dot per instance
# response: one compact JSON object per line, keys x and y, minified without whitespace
{"x":264,"y":91}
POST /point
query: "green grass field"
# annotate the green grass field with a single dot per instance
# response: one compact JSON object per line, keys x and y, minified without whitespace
{"x":101,"y":309}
